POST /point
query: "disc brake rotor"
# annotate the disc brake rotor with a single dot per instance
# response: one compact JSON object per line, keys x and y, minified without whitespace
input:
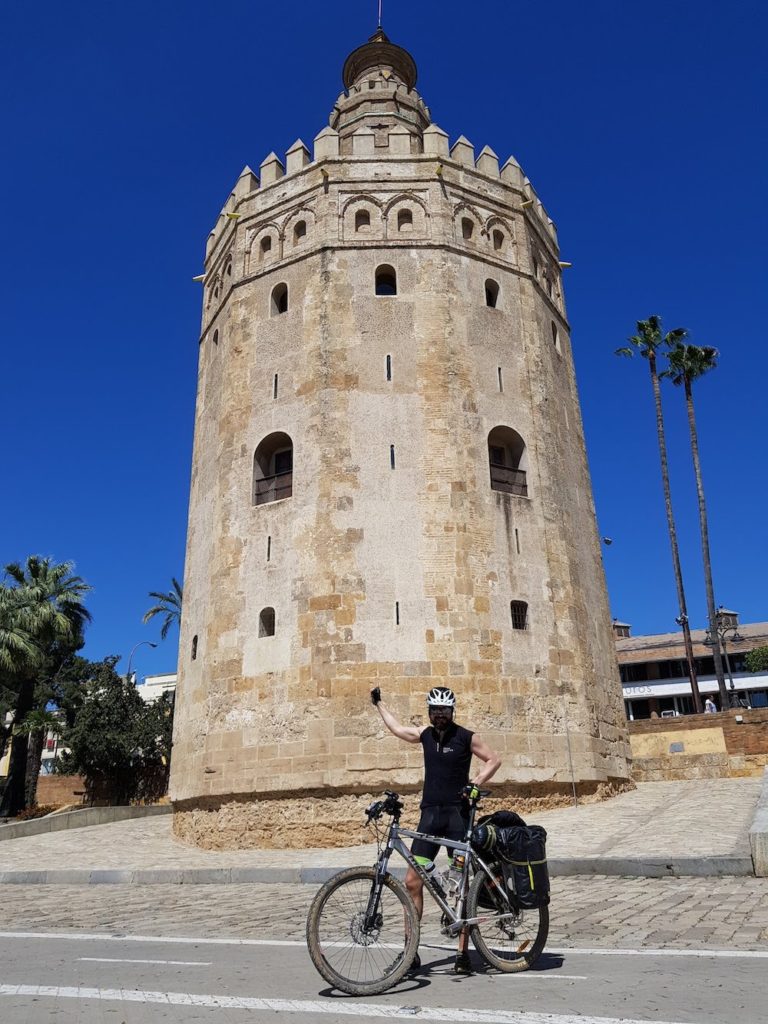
{"x":361,"y":935}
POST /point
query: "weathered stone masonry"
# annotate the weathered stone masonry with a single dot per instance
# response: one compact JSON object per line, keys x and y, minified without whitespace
{"x":394,"y":561}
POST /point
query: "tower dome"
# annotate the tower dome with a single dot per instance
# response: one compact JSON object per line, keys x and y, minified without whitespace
{"x":382,"y":55}
{"x":389,"y":485}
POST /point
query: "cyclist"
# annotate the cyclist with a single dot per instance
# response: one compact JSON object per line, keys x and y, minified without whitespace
{"x":448,"y":751}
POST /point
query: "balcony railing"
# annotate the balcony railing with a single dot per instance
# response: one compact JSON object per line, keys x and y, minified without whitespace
{"x":273,"y":488}
{"x":511,"y":481}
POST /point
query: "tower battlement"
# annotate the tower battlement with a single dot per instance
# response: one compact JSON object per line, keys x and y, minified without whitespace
{"x":252,"y":194}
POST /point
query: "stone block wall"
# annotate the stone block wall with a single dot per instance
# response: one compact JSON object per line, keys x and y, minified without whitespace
{"x":724,"y":745}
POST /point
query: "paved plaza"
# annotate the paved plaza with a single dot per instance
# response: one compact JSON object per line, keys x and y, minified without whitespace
{"x":657,"y":820}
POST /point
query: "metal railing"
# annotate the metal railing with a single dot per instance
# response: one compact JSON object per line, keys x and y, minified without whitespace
{"x":511,"y":481}
{"x":273,"y":488}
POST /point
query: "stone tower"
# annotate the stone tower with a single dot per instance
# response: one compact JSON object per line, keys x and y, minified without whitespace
{"x":389,"y":483}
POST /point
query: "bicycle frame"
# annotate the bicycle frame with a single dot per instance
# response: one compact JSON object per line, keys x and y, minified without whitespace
{"x":458,"y":920}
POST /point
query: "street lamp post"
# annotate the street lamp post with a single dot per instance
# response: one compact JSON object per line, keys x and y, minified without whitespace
{"x":134,"y":649}
{"x":722,"y":632}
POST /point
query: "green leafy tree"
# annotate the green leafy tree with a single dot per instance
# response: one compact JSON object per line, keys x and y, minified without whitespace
{"x":688,"y":363}
{"x":648,"y":343}
{"x":117,"y":742}
{"x":45,"y":616}
{"x":168,"y":605}
{"x":757,"y":660}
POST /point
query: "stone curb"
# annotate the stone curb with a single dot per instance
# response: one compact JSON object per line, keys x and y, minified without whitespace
{"x":758,"y":832}
{"x":639,"y":867}
{"x":80,"y":819}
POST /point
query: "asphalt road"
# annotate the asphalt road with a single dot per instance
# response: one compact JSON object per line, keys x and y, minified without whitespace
{"x":77,"y":977}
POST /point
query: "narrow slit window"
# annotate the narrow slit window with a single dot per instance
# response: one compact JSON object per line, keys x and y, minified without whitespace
{"x":397,"y":613}
{"x":269,"y":548}
{"x":517,"y":541}
{"x":215,"y":337}
{"x":491,"y":293}
{"x":555,"y":336}
{"x":392,"y":456}
{"x":362,"y":220}
{"x":519,"y":610}
{"x":300,"y":232}
{"x":501,"y":381}
{"x":279,"y":302}
{"x":389,"y":367}
{"x":194,"y":647}
{"x":267,"y":622}
{"x":274,"y":387}
{"x":467,"y":228}
{"x":386,"y":280}
{"x":404,"y":220}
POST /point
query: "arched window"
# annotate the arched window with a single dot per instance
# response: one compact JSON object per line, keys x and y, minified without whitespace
{"x":404,"y":220}
{"x":555,"y":336}
{"x":299,"y":232}
{"x":267,"y":622}
{"x":279,"y":302}
{"x":386,"y":280}
{"x":491,"y":293}
{"x":229,"y":268}
{"x":273,"y":469}
{"x":362,"y":220}
{"x":519,"y":612}
{"x":498,"y":240}
{"x":467,"y":227}
{"x":508,"y":461}
{"x":535,"y":265}
{"x":266,"y":245}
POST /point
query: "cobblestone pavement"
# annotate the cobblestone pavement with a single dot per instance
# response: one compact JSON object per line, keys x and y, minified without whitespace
{"x":594,"y":911}
{"x":657,"y":819}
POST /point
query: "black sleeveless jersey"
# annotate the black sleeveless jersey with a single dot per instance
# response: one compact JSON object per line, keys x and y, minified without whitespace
{"x":446,"y":764}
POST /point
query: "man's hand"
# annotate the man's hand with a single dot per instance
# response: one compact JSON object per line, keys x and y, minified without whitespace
{"x":470,"y":792}
{"x":375,"y":695}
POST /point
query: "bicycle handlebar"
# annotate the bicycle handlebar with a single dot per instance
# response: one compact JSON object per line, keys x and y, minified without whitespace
{"x":393,"y":804}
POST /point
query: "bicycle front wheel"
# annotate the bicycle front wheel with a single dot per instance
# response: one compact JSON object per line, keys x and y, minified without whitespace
{"x":358,"y":956}
{"x":509,"y":943}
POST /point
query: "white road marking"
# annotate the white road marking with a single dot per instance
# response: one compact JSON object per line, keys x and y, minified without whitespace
{"x":120,"y":960}
{"x":333,"y":1007}
{"x":737,"y":954}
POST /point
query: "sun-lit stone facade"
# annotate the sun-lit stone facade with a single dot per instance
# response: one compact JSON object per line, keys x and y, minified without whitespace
{"x":389,"y":484}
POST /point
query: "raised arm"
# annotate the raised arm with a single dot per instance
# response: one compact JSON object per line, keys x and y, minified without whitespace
{"x":409,"y":733}
{"x":492,"y":761}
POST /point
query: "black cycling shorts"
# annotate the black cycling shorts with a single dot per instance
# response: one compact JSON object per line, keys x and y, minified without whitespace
{"x":448,"y":820}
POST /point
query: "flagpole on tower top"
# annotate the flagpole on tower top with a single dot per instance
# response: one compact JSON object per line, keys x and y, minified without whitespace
{"x":380,"y":2}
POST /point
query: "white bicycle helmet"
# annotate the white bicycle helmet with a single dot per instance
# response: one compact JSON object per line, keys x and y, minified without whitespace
{"x":441,"y":697}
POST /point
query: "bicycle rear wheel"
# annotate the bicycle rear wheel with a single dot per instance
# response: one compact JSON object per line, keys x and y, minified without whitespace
{"x":359,"y":960}
{"x":511,"y":944}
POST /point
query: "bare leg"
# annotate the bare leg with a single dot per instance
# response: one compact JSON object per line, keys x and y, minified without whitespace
{"x":415,"y":887}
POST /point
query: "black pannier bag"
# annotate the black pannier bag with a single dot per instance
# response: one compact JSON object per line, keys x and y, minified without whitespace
{"x":521,"y":851}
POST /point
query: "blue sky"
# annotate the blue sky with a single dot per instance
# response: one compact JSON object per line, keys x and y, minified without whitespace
{"x":125,"y":126}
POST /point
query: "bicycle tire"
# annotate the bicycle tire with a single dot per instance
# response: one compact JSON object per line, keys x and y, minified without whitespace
{"x":512,"y":947}
{"x":345,"y":956}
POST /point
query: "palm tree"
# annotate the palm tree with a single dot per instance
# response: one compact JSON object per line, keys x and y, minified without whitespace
{"x":647,"y":343}
{"x":18,"y":648}
{"x":169,"y":605}
{"x":50,"y":610}
{"x":36,"y":727}
{"x":688,"y":363}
